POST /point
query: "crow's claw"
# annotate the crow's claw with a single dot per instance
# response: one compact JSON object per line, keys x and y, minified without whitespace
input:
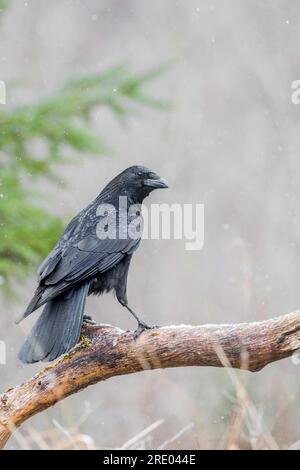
{"x":141,"y":328}
{"x":88,"y":320}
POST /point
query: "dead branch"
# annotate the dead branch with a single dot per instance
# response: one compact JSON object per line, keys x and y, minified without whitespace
{"x":106,"y":351}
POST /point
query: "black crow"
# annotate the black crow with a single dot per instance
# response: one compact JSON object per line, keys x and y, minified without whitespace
{"x":87,"y":260}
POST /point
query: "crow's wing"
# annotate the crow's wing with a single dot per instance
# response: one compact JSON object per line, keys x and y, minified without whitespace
{"x":89,"y":257}
{"x":51,"y":261}
{"x":79,"y":255}
{"x":85,"y":253}
{"x":78,"y":263}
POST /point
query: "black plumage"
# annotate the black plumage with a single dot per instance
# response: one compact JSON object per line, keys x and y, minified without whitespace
{"x":82,"y":263}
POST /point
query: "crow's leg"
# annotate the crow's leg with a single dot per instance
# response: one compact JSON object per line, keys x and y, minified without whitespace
{"x":88,"y":320}
{"x":142,"y":326}
{"x":140,"y":322}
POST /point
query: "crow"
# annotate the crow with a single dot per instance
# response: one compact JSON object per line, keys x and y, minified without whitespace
{"x":92,"y":257}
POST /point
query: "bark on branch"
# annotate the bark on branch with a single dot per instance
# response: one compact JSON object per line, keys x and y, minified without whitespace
{"x":106,"y":351}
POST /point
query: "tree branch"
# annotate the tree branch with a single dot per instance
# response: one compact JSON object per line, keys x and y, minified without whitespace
{"x":106,"y":351}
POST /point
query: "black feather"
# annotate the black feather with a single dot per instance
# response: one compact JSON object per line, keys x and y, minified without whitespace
{"x":58,"y":328}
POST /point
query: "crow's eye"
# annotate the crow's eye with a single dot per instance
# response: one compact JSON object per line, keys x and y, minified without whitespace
{"x":139,"y":173}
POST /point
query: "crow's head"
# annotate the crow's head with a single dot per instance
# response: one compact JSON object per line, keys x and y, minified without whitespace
{"x":138,"y":181}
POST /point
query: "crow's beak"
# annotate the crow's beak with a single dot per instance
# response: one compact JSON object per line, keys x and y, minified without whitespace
{"x":156,"y":182}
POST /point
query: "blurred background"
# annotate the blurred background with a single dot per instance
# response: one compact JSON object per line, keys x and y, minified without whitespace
{"x":200,"y":92}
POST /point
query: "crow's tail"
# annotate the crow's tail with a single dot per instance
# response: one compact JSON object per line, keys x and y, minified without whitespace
{"x":58,"y":328}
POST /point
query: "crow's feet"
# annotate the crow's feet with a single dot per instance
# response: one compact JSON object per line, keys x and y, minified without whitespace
{"x":88,"y":320}
{"x":141,"y":328}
